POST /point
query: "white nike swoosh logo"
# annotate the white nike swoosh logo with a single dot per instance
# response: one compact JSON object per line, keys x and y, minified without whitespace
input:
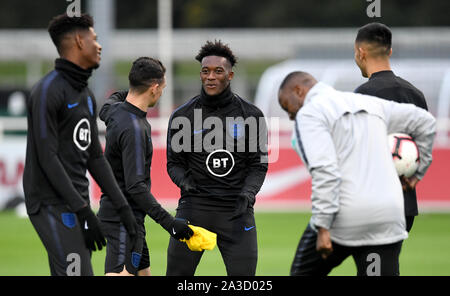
{"x":173,"y":231}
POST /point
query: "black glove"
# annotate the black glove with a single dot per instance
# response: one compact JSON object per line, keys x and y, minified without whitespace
{"x":188,"y":184}
{"x":179,"y":229}
{"x":129,"y":221}
{"x":244,"y":201}
{"x":91,"y":229}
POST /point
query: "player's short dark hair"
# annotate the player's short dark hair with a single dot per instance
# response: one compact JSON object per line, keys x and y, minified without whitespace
{"x":377,"y":34}
{"x":216,"y":48}
{"x":303,"y":77}
{"x":144,"y":72}
{"x":62,"y":24}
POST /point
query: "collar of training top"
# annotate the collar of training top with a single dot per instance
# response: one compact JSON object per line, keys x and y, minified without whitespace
{"x":381,"y":73}
{"x":133,"y":109}
{"x":74,"y":74}
{"x":316,"y":89}
{"x":220,"y":100}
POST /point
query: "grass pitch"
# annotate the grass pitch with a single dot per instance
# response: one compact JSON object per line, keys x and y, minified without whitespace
{"x":425,"y":252}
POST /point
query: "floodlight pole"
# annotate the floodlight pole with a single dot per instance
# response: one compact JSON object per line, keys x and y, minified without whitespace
{"x":165,"y":54}
{"x":103,"y":12}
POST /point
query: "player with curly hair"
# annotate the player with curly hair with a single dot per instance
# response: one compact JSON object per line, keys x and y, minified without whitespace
{"x":218,"y":179}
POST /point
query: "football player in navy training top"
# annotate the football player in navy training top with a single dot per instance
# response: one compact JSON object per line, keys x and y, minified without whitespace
{"x":62,"y":142}
{"x":372,"y":52}
{"x":213,"y":159}
{"x":129,"y":150}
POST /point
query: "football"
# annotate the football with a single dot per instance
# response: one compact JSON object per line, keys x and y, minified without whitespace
{"x":404,"y":153}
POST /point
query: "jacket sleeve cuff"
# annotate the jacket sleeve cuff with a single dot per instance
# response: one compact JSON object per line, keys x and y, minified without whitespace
{"x":322,"y":220}
{"x":77,"y":205}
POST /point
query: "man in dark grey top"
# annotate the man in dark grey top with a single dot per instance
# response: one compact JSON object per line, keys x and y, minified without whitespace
{"x":372,"y":52}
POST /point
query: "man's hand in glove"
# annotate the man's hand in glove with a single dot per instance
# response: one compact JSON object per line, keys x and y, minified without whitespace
{"x":92,"y":234}
{"x":244,"y":200}
{"x":179,"y":229}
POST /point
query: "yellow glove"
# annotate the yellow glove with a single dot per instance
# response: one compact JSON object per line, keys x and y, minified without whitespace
{"x":201,"y":240}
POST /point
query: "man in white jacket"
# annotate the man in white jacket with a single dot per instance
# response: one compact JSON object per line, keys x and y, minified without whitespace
{"x":357,"y":201}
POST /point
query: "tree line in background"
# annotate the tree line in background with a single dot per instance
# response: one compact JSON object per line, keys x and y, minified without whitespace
{"x":240,"y":13}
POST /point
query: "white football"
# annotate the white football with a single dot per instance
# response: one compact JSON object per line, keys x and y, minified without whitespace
{"x":404,"y":153}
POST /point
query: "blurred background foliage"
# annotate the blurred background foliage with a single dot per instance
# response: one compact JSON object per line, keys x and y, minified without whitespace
{"x":240,"y":14}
